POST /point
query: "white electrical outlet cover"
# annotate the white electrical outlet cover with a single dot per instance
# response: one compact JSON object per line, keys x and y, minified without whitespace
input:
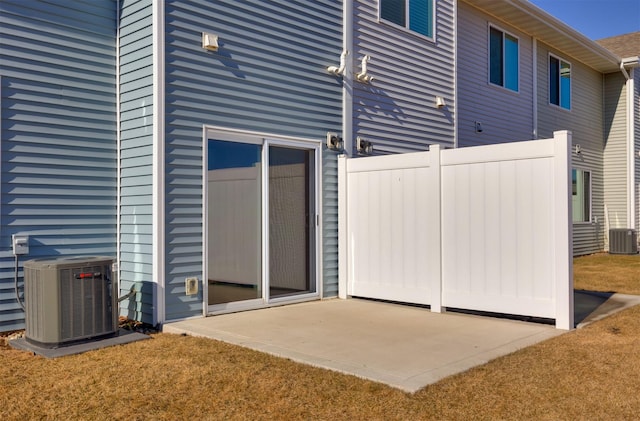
{"x":191,"y":286}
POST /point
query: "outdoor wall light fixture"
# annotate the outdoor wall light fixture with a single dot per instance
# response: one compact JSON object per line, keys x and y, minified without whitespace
{"x":362,"y":76}
{"x":440,"y":102}
{"x":364,"y":147}
{"x":334,"y":142}
{"x":577,"y":149}
{"x":209,"y":41}
{"x":343,"y":63}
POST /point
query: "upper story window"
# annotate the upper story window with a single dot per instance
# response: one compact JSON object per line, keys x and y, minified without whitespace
{"x":416,"y":15}
{"x":559,"y":82}
{"x":503,"y":59}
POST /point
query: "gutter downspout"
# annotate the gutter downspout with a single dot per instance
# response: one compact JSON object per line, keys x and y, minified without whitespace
{"x":347,"y":78}
{"x":631,"y":148}
{"x":455,"y":75}
{"x":535,"y":88}
{"x":631,"y":62}
{"x":347,"y":136}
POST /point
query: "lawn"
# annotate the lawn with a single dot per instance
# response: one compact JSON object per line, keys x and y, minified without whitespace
{"x":608,"y":273}
{"x":591,"y":373}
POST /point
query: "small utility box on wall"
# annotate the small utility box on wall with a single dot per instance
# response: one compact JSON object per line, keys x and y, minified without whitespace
{"x":623,"y":241}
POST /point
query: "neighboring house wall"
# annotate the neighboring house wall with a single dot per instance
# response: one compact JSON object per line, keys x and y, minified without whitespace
{"x":505,"y":115}
{"x":615,"y":150}
{"x":269,"y":75}
{"x":585,"y":121}
{"x":58,"y":132}
{"x":136,"y":166}
{"x":397,"y":111}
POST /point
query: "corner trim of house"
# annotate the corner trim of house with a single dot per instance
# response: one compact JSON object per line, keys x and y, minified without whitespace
{"x":118,"y":148}
{"x":158,"y":159}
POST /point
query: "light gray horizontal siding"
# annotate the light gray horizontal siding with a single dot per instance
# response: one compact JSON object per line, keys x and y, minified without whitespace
{"x":58,"y":138}
{"x":397,"y":111}
{"x":269,"y":75}
{"x":136,"y":150}
{"x":586,"y":121}
{"x":506,"y":116}
{"x":615,"y":150}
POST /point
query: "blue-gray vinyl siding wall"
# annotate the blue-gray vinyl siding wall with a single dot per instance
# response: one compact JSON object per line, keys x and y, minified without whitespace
{"x":58,"y":134}
{"x":397,"y":110}
{"x":269,"y":75}
{"x":505,"y":115}
{"x":136,"y":154}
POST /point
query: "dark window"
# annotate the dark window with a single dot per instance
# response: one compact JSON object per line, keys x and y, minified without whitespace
{"x":503,"y":59}
{"x":416,"y":15}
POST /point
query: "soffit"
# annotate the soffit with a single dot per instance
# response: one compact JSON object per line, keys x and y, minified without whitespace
{"x":537,"y":23}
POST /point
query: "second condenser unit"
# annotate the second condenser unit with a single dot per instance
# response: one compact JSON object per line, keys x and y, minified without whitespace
{"x":623,"y":241}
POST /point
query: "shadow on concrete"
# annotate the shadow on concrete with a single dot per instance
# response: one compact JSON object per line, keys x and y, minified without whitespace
{"x":590,"y":306}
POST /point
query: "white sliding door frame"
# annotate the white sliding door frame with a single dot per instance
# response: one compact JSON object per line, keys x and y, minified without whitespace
{"x":265,"y":140}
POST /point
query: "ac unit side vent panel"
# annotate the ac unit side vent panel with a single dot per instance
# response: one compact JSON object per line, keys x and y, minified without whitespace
{"x":623,"y":241}
{"x":69,"y":299}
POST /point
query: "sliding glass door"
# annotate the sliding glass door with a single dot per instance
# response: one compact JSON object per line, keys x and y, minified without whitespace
{"x":291,"y":221}
{"x":234,"y":206}
{"x":262,"y":220}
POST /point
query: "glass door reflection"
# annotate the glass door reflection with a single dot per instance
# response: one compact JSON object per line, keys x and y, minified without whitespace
{"x":291,"y":221}
{"x":235,"y":221}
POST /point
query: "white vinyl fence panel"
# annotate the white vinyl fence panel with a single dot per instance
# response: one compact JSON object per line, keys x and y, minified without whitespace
{"x":392,"y":234}
{"x":485,"y":228}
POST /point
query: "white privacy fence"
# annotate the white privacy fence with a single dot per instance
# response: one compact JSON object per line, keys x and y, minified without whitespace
{"x":484,"y":228}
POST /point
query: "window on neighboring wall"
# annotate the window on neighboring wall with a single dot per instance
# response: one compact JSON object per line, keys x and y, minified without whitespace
{"x":416,"y":15}
{"x":581,"y":195}
{"x":559,"y":82}
{"x":503,"y":59}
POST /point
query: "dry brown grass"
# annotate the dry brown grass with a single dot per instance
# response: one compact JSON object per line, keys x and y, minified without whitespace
{"x":608,"y":273}
{"x":592,"y":373}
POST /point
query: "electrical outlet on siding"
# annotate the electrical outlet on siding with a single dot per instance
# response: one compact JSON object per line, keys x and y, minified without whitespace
{"x":191,"y":286}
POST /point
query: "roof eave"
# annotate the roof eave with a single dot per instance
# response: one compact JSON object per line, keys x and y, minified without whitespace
{"x":539,"y":24}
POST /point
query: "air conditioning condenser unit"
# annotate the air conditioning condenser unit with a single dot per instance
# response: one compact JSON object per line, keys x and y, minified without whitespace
{"x":623,"y":241}
{"x":69,"y":299}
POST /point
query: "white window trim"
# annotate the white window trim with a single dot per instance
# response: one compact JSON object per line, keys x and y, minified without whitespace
{"x":560,"y":59}
{"x":505,"y":32}
{"x":590,"y":221}
{"x":406,"y":27}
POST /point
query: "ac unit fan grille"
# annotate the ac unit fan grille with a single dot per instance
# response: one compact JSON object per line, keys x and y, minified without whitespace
{"x":623,"y":241}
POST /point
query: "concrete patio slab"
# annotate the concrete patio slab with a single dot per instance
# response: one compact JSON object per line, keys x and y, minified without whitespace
{"x":405,"y":347}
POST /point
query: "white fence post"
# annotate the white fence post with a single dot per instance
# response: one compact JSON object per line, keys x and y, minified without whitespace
{"x":435,"y":273}
{"x":563,"y":231}
{"x":343,"y":226}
